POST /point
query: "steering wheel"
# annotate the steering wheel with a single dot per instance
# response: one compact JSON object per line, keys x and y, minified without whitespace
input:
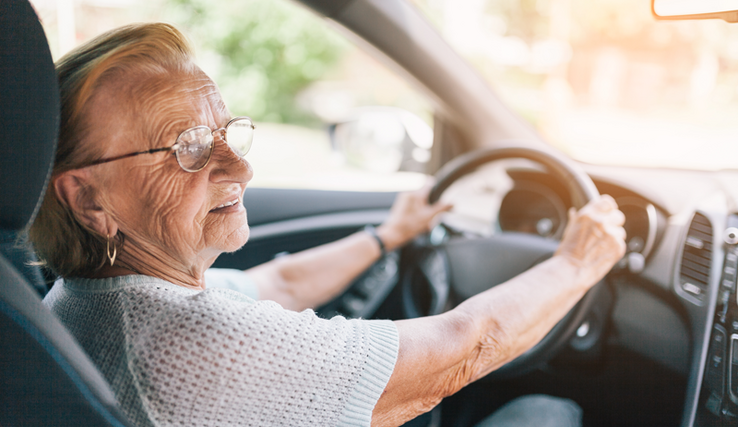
{"x":467,"y":267}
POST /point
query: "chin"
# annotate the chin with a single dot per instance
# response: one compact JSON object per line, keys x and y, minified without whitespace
{"x":236,"y":240}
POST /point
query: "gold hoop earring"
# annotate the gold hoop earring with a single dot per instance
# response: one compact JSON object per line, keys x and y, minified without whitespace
{"x":115,"y":252}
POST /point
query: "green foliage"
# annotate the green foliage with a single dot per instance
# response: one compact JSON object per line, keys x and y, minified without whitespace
{"x":260,"y":52}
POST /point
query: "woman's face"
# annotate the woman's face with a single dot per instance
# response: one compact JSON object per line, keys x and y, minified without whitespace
{"x":169,"y":216}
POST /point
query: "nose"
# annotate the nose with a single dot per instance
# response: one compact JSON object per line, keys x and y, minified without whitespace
{"x":227,"y":166}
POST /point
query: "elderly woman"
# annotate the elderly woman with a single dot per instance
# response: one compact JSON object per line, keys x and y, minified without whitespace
{"x":147,"y":191}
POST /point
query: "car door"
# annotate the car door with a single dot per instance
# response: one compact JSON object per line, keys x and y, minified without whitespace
{"x":290,"y":220}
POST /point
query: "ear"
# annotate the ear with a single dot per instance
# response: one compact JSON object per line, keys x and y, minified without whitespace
{"x":73,"y":189}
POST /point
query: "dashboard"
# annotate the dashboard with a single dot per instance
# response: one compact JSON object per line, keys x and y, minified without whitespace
{"x":676,"y":287}
{"x":674,"y":298}
{"x":530,"y":202}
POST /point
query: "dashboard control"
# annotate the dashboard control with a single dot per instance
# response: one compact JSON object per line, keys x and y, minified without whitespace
{"x":692,"y":289}
{"x":715,"y":372}
{"x":730,"y":235}
{"x":719,"y":394}
{"x":734,"y":366}
{"x":696,"y":264}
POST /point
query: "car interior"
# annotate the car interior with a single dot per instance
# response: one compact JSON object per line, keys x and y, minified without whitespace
{"x":654,"y":344}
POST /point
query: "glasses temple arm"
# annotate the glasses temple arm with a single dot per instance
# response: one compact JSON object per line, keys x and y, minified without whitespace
{"x":123,"y":156}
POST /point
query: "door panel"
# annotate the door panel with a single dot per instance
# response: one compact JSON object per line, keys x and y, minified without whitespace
{"x":266,"y":205}
{"x":294,"y":220}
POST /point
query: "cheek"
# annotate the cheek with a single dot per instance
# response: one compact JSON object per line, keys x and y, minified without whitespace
{"x":165,"y":209}
{"x":170,"y":210}
{"x":226,"y":233}
{"x":177,"y":209}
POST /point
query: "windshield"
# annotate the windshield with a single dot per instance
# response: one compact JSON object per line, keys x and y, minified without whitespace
{"x":602,"y":80}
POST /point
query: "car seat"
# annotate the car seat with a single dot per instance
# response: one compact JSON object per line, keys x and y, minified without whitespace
{"x":46,"y":379}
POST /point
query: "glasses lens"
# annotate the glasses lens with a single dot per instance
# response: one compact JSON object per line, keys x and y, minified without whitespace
{"x":240,"y":134}
{"x":195,"y":148}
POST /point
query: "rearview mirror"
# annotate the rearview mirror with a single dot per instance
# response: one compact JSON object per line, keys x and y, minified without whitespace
{"x":383,"y":139}
{"x":695,"y":9}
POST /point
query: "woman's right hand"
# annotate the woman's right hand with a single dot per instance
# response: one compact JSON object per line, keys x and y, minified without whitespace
{"x":594,"y":239}
{"x":439,"y":355}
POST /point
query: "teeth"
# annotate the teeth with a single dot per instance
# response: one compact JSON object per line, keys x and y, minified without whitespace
{"x":225,"y":205}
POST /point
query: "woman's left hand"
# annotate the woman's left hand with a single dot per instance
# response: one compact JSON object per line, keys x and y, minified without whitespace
{"x":411,"y":214}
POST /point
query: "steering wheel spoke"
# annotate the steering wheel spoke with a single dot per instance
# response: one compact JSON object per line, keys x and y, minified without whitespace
{"x":426,"y":287}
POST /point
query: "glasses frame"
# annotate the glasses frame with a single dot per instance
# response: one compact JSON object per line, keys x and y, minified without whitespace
{"x":177,"y":145}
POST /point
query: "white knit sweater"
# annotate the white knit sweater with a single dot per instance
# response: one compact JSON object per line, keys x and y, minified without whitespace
{"x":179,"y":357}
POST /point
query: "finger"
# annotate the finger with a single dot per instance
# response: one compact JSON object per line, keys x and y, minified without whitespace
{"x":427,"y":186}
{"x":615,"y":217}
{"x":441,"y":206}
{"x":606,"y":198}
{"x":621,"y":233}
{"x":607,"y":204}
{"x":618,"y":240}
{"x":601,"y":203}
{"x":609,"y":218}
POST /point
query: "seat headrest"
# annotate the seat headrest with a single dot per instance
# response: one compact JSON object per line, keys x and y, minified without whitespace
{"x":29,"y":113}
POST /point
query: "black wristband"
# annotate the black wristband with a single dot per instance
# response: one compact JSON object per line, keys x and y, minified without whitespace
{"x":370,"y":230}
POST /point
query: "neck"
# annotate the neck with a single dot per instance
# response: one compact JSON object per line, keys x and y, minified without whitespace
{"x":133,"y":259}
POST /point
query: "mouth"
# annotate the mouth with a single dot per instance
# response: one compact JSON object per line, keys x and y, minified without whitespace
{"x":231,"y":205}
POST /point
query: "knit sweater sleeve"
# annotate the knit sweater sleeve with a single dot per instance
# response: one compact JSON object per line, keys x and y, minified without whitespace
{"x":219,"y":358}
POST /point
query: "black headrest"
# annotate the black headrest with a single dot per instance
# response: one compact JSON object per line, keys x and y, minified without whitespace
{"x":29,"y":113}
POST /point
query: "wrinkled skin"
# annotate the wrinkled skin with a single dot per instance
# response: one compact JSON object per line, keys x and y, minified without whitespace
{"x":594,"y":238}
{"x":168,"y":217}
{"x":410,"y":215}
{"x":496,"y":326}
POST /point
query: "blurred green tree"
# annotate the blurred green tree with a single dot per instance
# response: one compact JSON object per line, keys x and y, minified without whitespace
{"x":260,"y":52}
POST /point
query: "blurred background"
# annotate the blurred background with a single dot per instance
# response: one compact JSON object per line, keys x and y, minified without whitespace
{"x":599,"y":79}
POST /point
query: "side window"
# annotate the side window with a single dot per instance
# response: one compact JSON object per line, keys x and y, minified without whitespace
{"x":328,"y":116}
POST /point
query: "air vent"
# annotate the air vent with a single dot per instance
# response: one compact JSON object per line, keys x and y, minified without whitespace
{"x":694,"y":273}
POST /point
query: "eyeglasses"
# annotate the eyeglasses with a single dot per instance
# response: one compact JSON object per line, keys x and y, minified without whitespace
{"x":194,"y":147}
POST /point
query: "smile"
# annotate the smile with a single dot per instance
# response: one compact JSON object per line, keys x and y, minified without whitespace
{"x":227,"y":204}
{"x":233,"y":205}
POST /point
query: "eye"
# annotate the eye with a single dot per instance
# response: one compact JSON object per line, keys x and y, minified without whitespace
{"x":193,"y":148}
